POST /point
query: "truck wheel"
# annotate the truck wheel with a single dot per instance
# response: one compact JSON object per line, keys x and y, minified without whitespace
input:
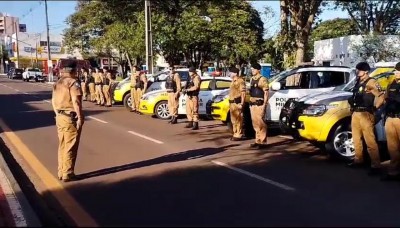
{"x":340,"y":143}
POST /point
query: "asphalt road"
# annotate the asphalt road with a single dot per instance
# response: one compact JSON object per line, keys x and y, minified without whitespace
{"x":140,"y":171}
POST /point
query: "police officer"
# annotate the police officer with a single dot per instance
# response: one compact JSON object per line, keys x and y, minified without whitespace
{"x":134,"y":75}
{"x":98,"y":81}
{"x":237,"y":95}
{"x":140,"y":88}
{"x":367,"y":96}
{"x":173,"y":86}
{"x":92,"y":87}
{"x":84,"y":82}
{"x":392,"y":126}
{"x":107,"y":80}
{"x":67,"y":105}
{"x":259,"y":92}
{"x":192,"y":99}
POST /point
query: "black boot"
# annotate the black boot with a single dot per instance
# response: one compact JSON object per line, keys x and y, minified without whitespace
{"x":170,"y":120}
{"x":174,"y":120}
{"x":195,"y":126}
{"x":189,"y":125}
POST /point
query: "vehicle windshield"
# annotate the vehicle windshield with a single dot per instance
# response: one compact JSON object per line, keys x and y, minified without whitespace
{"x":281,"y":75}
{"x":346,"y":87}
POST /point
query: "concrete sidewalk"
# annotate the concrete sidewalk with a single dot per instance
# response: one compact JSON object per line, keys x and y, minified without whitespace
{"x":15,"y":210}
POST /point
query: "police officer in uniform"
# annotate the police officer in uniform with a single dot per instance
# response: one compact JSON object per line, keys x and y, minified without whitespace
{"x":67,"y":105}
{"x":367,"y":96}
{"x":107,"y":80}
{"x":173,"y":86}
{"x":392,"y":126}
{"x":84,"y":83}
{"x":134,"y":75}
{"x":98,"y":81}
{"x":140,"y":88}
{"x":259,"y":92}
{"x":237,"y":95}
{"x":192,"y":99}
{"x":92,"y":87}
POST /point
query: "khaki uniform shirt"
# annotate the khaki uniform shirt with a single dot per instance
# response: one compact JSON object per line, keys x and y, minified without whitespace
{"x":177,"y":79}
{"x":97,"y":78}
{"x":262,"y":83}
{"x":237,"y":87}
{"x":374,"y":88}
{"x":133,"y":80}
{"x":63,"y":91}
{"x":196,"y":81}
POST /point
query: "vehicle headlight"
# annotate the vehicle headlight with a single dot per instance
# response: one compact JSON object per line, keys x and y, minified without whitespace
{"x":317,"y":110}
{"x":219,"y":98}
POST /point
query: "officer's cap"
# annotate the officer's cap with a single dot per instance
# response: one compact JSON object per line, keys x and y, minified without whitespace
{"x":69,"y":66}
{"x":256,"y":66}
{"x":234,"y":70}
{"x":397,"y":67}
{"x":364,"y":66}
{"x":192,"y":69}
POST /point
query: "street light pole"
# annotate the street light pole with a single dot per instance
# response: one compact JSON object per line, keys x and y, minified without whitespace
{"x":149,"y":38}
{"x":17,"y":45}
{"x":49,"y":62}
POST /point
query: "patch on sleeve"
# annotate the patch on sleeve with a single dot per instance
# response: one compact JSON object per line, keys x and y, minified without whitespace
{"x":77,"y":84}
{"x":378,"y":87}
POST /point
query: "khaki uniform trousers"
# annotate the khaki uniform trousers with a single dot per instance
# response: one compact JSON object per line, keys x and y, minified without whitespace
{"x":84,"y":90}
{"x":92,"y":91}
{"x":107,"y":95}
{"x":173,"y":104}
{"x":133,"y":90}
{"x":68,"y":138}
{"x":392,"y":128}
{"x":362,"y":126}
{"x":192,"y":108}
{"x":138,"y":93}
{"x":258,"y":124}
{"x":99,"y":95}
{"x":236,"y":119}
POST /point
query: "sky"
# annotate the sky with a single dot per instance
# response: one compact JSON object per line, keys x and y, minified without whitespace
{"x":32,"y":13}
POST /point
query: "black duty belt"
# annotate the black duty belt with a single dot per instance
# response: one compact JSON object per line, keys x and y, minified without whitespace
{"x":363,"y":109}
{"x":257,"y":102}
{"x":237,"y":100}
{"x":393,"y":115}
{"x":98,"y":83}
{"x":70,"y":114}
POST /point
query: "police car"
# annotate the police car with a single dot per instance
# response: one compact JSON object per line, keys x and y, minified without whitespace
{"x":156,"y":102}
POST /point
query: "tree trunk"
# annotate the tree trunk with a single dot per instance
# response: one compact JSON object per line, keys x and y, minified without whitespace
{"x":129,"y":61}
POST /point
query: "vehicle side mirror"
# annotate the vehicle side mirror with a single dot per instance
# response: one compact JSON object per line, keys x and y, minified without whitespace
{"x":276,"y":86}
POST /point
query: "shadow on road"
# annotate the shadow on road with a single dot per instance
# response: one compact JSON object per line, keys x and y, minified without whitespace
{"x":177,"y":157}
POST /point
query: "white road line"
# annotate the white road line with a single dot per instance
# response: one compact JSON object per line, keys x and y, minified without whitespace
{"x":12,"y":201}
{"x":25,"y":93}
{"x":263,"y":179}
{"x":99,"y":120}
{"x":285,"y":136}
{"x":47,"y":101}
{"x":145,"y":137}
{"x":17,"y":90}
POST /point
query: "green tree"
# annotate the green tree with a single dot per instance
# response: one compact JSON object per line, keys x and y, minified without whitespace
{"x":380,"y":17}
{"x":377,"y":48}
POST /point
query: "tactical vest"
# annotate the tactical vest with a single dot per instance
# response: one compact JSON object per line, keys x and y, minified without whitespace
{"x":106,"y":81}
{"x":361,"y":98}
{"x":91,"y":78}
{"x":393,"y":104}
{"x":190,"y":84}
{"x":170,"y":84}
{"x":139,"y":83}
{"x":255,"y":90}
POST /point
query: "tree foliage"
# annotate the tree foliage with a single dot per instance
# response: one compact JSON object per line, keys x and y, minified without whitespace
{"x":380,"y":17}
{"x":376,"y":48}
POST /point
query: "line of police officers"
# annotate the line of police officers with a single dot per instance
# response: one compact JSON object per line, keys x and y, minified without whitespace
{"x":96,"y":86}
{"x":367,"y":98}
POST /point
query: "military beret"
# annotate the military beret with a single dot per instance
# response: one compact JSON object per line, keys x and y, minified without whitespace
{"x":397,"y":67}
{"x":256,"y":66}
{"x":69,"y":66}
{"x":234,"y":70}
{"x":192,"y":69}
{"x":364,"y":66}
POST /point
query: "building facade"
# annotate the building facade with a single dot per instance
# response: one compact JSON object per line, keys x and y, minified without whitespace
{"x":9,"y":25}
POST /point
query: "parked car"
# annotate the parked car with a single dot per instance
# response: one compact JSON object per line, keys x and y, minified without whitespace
{"x":156,"y":102}
{"x":293,"y":83}
{"x":15,"y":73}
{"x":325,"y":119}
{"x":34,"y":74}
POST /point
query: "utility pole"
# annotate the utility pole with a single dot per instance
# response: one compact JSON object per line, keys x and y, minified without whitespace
{"x":149,"y":38}
{"x":49,"y":62}
{"x":2,"y":57}
{"x":17,"y":43}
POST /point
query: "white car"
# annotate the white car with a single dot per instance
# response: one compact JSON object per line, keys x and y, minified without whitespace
{"x":32,"y":73}
{"x":156,"y":102}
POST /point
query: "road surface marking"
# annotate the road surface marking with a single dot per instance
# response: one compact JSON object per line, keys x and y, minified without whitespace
{"x":145,"y":137}
{"x":99,"y":120}
{"x":13,"y":203}
{"x":266,"y":180}
{"x":47,"y":101}
{"x":17,"y":90}
{"x":285,"y":136}
{"x":26,"y":93}
{"x":71,"y":206}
